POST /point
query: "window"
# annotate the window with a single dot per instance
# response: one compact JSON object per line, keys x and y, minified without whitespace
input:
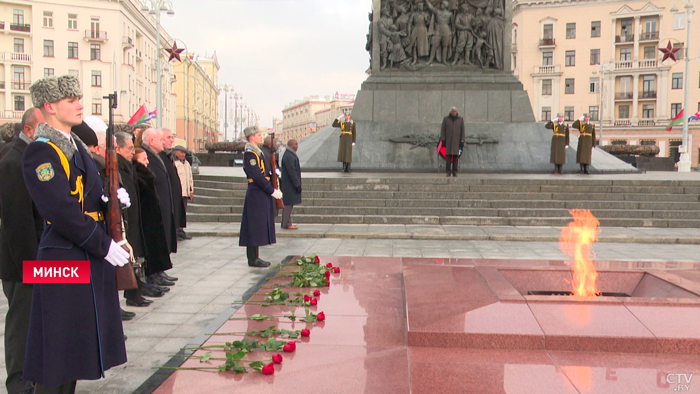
{"x":546,"y":113}
{"x":676,"y":109}
{"x":19,"y":45}
{"x":679,"y":21}
{"x":647,"y":142}
{"x":649,"y":52}
{"x":548,"y":31}
{"x":547,"y":58}
{"x":626,"y":28}
{"x":650,"y":27}
{"x":595,"y":56}
{"x":569,"y":86}
{"x":625,"y":53}
{"x":594,"y":85}
{"x":73,"y":21}
{"x":593,"y":112}
{"x":546,"y":87}
{"x":677,"y":81}
{"x":18,"y":80}
{"x":72,"y":50}
{"x":568,"y":113}
{"x":649,"y":84}
{"x":97,"y":108}
{"x":48,"y":72}
{"x":570,"y":58}
{"x":48,"y":19}
{"x":679,"y":54}
{"x":48,"y":48}
{"x":74,"y":73}
{"x":571,"y":30}
{"x":19,"y":103}
{"x":618,"y":142}
{"x":96,"y":78}
{"x":94,"y":51}
{"x":624,"y":112}
{"x":18,"y":19}
{"x":648,"y":111}
{"x":595,"y":29}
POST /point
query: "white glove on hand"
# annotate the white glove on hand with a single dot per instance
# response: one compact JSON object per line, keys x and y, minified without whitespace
{"x":278,"y":172}
{"x":353,"y":144}
{"x":123,"y":197}
{"x":566,"y":146}
{"x":340,"y":117}
{"x":581,"y":118}
{"x":555,"y":119}
{"x":277,"y":194}
{"x":105,"y":199}
{"x":117,"y":256}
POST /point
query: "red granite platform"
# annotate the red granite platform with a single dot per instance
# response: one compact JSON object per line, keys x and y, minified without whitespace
{"x":410,"y":325}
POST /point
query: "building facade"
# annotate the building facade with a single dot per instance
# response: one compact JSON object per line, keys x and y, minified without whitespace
{"x":299,"y":117}
{"x":602,"y":57}
{"x":326,"y":117}
{"x":196,"y":92}
{"x":110,"y":46}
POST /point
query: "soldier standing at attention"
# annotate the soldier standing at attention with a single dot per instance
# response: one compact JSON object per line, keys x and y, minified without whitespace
{"x":75,"y":330}
{"x":560,"y":141}
{"x":586,"y":141}
{"x":258,"y":221}
{"x":347,"y":140}
{"x":452,"y":135}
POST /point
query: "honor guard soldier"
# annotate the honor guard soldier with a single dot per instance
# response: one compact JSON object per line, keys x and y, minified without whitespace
{"x":347,"y":140}
{"x":586,"y":141}
{"x":258,"y":221}
{"x":75,"y":330}
{"x":560,"y":141}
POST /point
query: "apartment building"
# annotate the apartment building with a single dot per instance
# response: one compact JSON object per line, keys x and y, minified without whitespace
{"x":299,"y":117}
{"x":196,"y":91}
{"x":602,"y":57}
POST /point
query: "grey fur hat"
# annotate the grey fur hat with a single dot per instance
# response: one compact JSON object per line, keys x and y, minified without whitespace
{"x":250,"y":130}
{"x":52,"y":89}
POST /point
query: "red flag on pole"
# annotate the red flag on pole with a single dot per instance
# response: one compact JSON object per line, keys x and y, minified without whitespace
{"x":139,"y":113}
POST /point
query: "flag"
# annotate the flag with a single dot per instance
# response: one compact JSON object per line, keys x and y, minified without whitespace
{"x":140,"y":113}
{"x":151,"y":115}
{"x":677,"y":120}
{"x":694,"y":117}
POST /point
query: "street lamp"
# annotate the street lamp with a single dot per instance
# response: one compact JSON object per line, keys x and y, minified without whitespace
{"x":155,"y":7}
{"x":685,"y":160}
{"x":605,"y":67}
{"x":226,"y":89}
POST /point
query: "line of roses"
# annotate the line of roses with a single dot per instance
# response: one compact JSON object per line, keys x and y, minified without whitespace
{"x":309,"y":318}
{"x":268,"y":332}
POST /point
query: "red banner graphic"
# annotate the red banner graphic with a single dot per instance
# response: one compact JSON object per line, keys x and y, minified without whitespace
{"x":56,"y":271}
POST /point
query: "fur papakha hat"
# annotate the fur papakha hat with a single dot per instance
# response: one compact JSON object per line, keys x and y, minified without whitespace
{"x":52,"y":89}
{"x":250,"y":130}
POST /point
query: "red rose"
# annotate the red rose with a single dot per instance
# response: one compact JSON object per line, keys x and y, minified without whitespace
{"x":321,"y":316}
{"x":317,"y":293}
{"x":268,"y":369}
{"x":314,"y":302}
{"x":290,"y":347}
{"x":307,"y":298}
{"x":318,"y":261}
{"x":329,"y":265}
{"x":305,"y":333}
{"x":336,"y":270}
{"x":277,"y":358}
{"x":328,"y":283}
{"x":328,"y":274}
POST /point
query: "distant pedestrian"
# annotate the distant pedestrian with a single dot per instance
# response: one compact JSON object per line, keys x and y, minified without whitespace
{"x":560,"y":141}
{"x":452,"y":136}
{"x":291,"y":183}
{"x":348,"y":134}
{"x":586,"y":142}
{"x":184,"y":172}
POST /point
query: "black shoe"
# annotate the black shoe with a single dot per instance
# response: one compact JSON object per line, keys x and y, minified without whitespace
{"x":184,"y":235}
{"x":127,"y":315}
{"x":163,"y":289}
{"x":161,"y":281}
{"x":141,"y":302}
{"x":180,"y":237}
{"x":168,"y":277}
{"x":151,"y":292}
{"x":125,"y":338}
{"x":259,"y":263}
{"x":454,"y":174}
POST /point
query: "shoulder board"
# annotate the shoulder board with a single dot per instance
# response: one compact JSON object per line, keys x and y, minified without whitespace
{"x":42,"y":139}
{"x":248,"y":150}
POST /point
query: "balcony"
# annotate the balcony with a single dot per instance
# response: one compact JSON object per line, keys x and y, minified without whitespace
{"x":95,"y":35}
{"x":625,"y":38}
{"x":624,"y":65}
{"x":21,"y":84}
{"x":635,"y":64}
{"x":137,"y":53}
{"x":23,"y":27}
{"x":127,"y":42}
{"x":624,"y":96}
{"x":15,"y":57}
{"x":646,"y":122}
{"x":648,"y":95}
{"x":11,"y":114}
{"x":649,"y":36}
{"x":622,"y":122}
{"x":552,"y":69}
{"x":547,"y":43}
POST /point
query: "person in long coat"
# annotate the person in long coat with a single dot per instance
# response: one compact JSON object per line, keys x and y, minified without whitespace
{"x":291,"y":183}
{"x":586,"y":141}
{"x":452,"y":136}
{"x":75,"y":330}
{"x":560,"y":140}
{"x":348,"y":135}
{"x":258,"y":221}
{"x":179,"y":212}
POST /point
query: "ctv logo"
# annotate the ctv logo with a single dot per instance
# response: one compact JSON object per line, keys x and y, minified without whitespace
{"x":56,"y":272}
{"x":679,"y":381}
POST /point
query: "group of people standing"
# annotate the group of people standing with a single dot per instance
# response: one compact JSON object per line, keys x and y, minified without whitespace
{"x":560,"y":141}
{"x":53,"y":202}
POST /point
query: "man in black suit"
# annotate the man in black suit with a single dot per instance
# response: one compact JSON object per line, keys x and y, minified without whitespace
{"x":21,"y":231}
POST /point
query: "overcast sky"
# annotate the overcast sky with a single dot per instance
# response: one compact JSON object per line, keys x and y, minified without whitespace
{"x":276,"y":51}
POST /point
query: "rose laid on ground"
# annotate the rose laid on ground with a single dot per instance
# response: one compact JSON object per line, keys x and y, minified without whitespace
{"x":290,"y":347}
{"x":304,"y":333}
{"x":318,"y":261}
{"x":314,"y":302}
{"x":277,"y":358}
{"x":268,"y":369}
{"x":329,"y":265}
{"x":317,"y":293}
{"x":307,"y":298}
{"x":321,"y":316}
{"x":336,"y":270}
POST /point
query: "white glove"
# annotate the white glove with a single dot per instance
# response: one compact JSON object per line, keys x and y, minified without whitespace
{"x":581,"y":118}
{"x":340,"y":117}
{"x":117,"y":256}
{"x":278,"y":172}
{"x":555,"y":119}
{"x":566,"y":146}
{"x":277,"y":194}
{"x":123,"y":197}
{"x":353,"y":144}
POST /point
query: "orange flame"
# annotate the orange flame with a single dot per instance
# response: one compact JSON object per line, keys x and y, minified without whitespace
{"x":576,"y":241}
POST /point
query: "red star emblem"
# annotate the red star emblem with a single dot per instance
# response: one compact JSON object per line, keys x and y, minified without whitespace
{"x":174,"y":52}
{"x":669,"y":52}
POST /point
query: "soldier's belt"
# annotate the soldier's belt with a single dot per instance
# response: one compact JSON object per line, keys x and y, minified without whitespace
{"x":347,"y":132}
{"x":96,"y":216}
{"x":250,"y":180}
{"x":559,"y":135}
{"x":586,"y":134}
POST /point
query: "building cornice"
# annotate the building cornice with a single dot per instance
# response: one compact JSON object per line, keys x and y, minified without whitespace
{"x":519,"y":5}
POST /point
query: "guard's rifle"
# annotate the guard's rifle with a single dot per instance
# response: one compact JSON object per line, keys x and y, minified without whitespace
{"x":124,"y":275}
{"x":279,"y":204}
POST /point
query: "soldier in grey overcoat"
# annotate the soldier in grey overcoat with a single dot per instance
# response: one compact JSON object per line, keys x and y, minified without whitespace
{"x":347,"y":140}
{"x":560,"y":140}
{"x":452,"y":135}
{"x":586,"y":141}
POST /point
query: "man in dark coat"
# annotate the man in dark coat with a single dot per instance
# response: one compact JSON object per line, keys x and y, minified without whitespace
{"x":586,"y":141}
{"x":452,"y":136}
{"x":560,"y":141}
{"x":348,"y":135}
{"x":75,"y":330}
{"x":21,"y":229}
{"x":258,"y":221}
{"x":291,"y":183}
{"x":179,"y":212}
